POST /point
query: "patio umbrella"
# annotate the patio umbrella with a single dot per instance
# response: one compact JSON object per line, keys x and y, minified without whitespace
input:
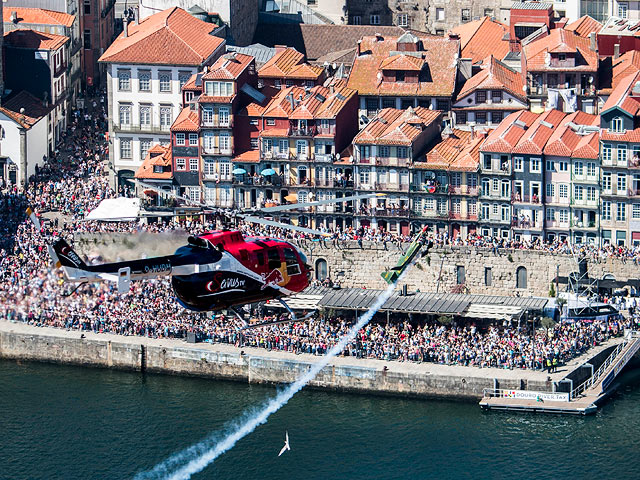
{"x":239,"y":171}
{"x":292,"y":197}
{"x":268,"y":171}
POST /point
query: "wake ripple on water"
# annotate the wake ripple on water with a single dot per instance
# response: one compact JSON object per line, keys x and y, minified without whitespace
{"x":191,"y":460}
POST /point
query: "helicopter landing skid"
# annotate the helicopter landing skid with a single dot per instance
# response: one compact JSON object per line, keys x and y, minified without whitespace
{"x":237,"y":314}
{"x":278,"y":322}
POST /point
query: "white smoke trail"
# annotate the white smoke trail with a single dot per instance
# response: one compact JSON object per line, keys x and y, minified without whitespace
{"x":198,"y":456}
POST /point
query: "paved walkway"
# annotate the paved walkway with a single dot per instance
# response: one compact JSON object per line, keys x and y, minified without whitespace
{"x":392,"y":366}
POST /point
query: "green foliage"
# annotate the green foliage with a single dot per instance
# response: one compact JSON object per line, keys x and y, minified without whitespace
{"x":419,"y":266}
{"x":552,"y":290}
{"x":547,"y":322}
{"x":510,"y":258}
{"x":428,"y":258}
{"x":445,"y":319}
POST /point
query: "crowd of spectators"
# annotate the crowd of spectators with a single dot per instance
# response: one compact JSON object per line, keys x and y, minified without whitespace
{"x":73,"y":181}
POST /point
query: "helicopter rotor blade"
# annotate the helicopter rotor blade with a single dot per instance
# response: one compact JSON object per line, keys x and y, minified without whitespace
{"x":329,"y":201}
{"x":270,"y":223}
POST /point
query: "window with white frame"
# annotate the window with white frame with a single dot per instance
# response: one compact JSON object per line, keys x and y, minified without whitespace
{"x":621,"y":212}
{"x":622,"y":155}
{"x":193,"y":194}
{"x":550,"y":215}
{"x":606,"y":181}
{"x":505,"y":213}
{"x":125,"y":114}
{"x":145,"y":146}
{"x":145,"y":115}
{"x":484,"y":211}
{"x":356,"y":20}
{"x":563,"y":166}
{"x":301,"y":147}
{"x":563,"y":216}
{"x":208,"y":141}
{"x":403,"y":152}
{"x":209,"y":166}
{"x":180,"y":139}
{"x":591,"y":194}
{"x":374,"y":19}
{"x":518,"y":164}
{"x":124,"y":80}
{"x":125,"y":148}
{"x":403,"y":20}
{"x":207,"y":115}
{"x":563,"y":190}
{"x":591,"y":169}
{"x":283,"y":146}
{"x":183,"y":77}
{"x":225,"y":195}
{"x":223,"y":116}
{"x":495,"y":208}
{"x":550,"y":166}
{"x":225,"y":168}
{"x":439,"y":14}
{"x":384,"y":151}
{"x":623,"y":9}
{"x":485,"y":186}
{"x":144,"y":80}
{"x":181,"y":164}
{"x":606,"y":152}
{"x":364,"y":177}
{"x":606,"y":210}
{"x":617,"y":125}
{"x":271,"y":122}
{"x":535,"y":165}
{"x":621,"y":183}
{"x":577,"y":192}
{"x":578,"y":168}
{"x":218,"y":89}
{"x":193,"y":139}
{"x":165,"y":81}
{"x":253,"y":142}
{"x":165,"y":117}
{"x":550,"y":189}
{"x":225,"y":141}
{"x":193,"y":164}
{"x":505,"y":188}
{"x":495,"y":185}
{"x":635,"y":211}
{"x":472,"y":207}
{"x":210,"y":195}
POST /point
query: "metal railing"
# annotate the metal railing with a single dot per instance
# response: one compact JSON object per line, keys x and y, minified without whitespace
{"x":634,"y":340}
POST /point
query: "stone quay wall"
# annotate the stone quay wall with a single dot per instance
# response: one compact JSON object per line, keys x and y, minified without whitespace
{"x":353,"y":266}
{"x":24,"y":342}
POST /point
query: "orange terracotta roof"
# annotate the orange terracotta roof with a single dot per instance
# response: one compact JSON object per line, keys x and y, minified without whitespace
{"x":481,"y":38}
{"x":504,"y":138}
{"x":560,"y":41}
{"x":440,"y":59}
{"x":275,"y":132}
{"x":31,"y":39}
{"x":620,"y":98}
{"x":34,"y":110}
{"x":37,"y":16}
{"x":536,"y":136}
{"x":628,"y":136}
{"x":170,"y":37}
{"x":250,"y":156}
{"x":158,"y":156}
{"x":228,"y":67}
{"x":191,"y":84}
{"x":211,"y":99}
{"x":289,"y":63}
{"x":187,"y":121}
{"x":566,"y":142}
{"x":627,"y":64}
{"x":397,"y":127}
{"x":402,"y":62}
{"x":584,"y":26}
{"x":495,"y":75}
{"x":459,"y":152}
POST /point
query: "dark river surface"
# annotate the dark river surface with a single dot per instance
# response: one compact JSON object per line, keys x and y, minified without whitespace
{"x":60,"y":422}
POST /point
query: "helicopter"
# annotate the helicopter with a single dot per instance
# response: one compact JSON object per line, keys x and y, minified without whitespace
{"x":218,"y":270}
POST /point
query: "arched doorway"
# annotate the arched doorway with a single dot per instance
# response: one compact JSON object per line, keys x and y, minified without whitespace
{"x":521,"y":277}
{"x":125,"y":179}
{"x":321,"y":269}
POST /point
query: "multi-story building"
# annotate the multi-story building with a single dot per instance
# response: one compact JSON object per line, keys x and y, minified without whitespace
{"x":406,"y":71}
{"x":57,"y":23}
{"x":489,"y":96}
{"x":95,"y":20}
{"x":445,"y":187}
{"x":157,"y":171}
{"x":383,"y":154}
{"x":45,"y":56}
{"x":561,"y":71}
{"x":146,"y":67}
{"x":619,"y":151}
{"x":528,"y":162}
{"x":288,"y":68}
{"x":494,"y":200}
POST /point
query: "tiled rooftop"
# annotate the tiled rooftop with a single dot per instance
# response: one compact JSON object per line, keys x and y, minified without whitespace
{"x":37,"y":16}
{"x":481,"y":38}
{"x":24,"y":38}
{"x":397,"y":127}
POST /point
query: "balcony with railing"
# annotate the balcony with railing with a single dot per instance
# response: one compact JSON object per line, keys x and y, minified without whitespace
{"x":612,"y":161}
{"x":59,"y":69}
{"x":142,"y":128}
{"x":556,"y":224}
{"x":327,"y":131}
{"x":295,"y":131}
{"x":382,"y":212}
{"x":391,"y":187}
{"x":433,"y":188}
{"x":584,"y":202}
{"x":496,"y":167}
{"x":444,"y":215}
{"x":463,"y":190}
{"x":494,"y":195}
{"x":216,"y":123}
{"x":216,"y":150}
{"x":583,"y":225}
{"x":526,"y":224}
{"x":518,"y":198}
{"x":614,"y":192}
{"x":634,"y":192}
{"x":634,"y":162}
{"x":392,"y":162}
{"x":275,"y":154}
{"x":491,"y":218}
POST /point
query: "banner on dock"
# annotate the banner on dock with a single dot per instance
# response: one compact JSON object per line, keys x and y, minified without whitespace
{"x":530,"y":395}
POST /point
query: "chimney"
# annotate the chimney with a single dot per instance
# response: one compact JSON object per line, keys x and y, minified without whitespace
{"x":379,"y":37}
{"x":136,"y":15}
{"x":616,"y":51}
{"x":453,"y":36}
{"x":125,"y":26}
{"x":472,"y":126}
{"x":280,"y":48}
{"x":593,"y":45}
{"x":293,"y":105}
{"x":332,"y":89}
{"x":358,"y":48}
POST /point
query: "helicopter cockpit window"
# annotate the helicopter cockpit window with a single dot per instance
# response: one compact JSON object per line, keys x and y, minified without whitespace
{"x":293,"y":267}
{"x":260,"y":256}
{"x":274,"y":258}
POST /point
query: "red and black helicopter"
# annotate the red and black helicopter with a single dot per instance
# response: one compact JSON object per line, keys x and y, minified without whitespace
{"x":214,"y":271}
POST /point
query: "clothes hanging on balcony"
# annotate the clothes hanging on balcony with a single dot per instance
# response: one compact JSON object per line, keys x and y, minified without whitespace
{"x":570,"y":99}
{"x":552,"y":98}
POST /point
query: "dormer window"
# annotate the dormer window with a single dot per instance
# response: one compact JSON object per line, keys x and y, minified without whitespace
{"x":617,"y":125}
{"x":157,"y":169}
{"x":399,"y":76}
{"x":562,"y":57}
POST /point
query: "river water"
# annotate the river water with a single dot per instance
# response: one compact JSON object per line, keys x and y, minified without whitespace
{"x":60,"y":422}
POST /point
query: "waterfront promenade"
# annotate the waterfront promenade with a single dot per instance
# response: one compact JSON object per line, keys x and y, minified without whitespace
{"x":253,"y":365}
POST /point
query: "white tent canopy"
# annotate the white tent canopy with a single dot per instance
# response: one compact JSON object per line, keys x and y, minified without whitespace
{"x":116,"y":210}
